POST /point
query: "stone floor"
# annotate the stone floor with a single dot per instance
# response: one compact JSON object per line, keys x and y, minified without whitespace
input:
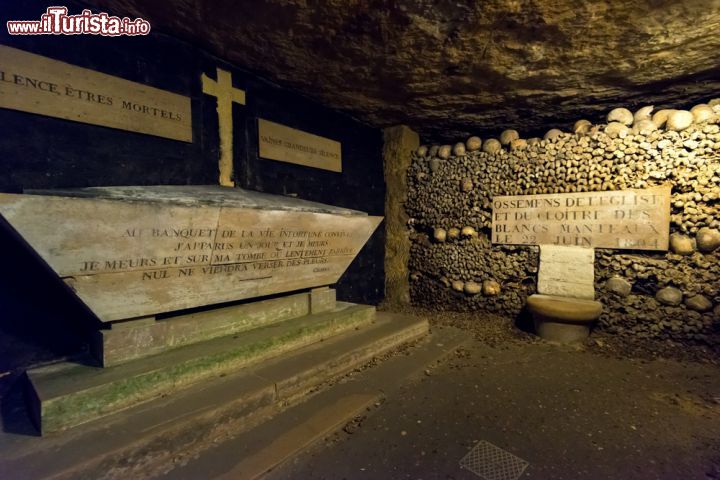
{"x":609,"y":409}
{"x":571,"y":413}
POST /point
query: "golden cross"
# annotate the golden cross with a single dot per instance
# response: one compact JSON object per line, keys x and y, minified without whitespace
{"x":223,"y":90}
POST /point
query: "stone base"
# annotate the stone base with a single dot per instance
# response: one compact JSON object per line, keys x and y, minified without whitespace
{"x":68,"y":394}
{"x":144,"y":441}
{"x":144,"y":337}
{"x":561,"y":332}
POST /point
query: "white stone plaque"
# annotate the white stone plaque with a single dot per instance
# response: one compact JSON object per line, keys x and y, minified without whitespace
{"x":567,"y":271}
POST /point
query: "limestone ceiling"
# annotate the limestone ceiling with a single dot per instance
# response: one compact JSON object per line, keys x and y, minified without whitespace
{"x":451,"y":68}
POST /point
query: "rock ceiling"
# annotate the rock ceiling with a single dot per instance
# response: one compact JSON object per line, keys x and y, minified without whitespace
{"x":451,"y":68}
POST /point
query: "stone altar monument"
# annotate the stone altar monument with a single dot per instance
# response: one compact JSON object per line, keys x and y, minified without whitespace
{"x":139,"y":257}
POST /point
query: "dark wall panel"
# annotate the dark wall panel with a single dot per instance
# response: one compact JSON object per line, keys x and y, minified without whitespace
{"x":44,"y":152}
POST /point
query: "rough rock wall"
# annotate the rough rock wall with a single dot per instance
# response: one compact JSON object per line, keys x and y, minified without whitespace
{"x":444,"y":66}
{"x":673,"y":294}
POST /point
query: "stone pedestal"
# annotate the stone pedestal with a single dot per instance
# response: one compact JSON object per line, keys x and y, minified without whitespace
{"x":564,"y":308}
{"x":563,"y":319}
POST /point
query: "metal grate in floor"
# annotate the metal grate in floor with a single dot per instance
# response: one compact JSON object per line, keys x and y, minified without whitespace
{"x":493,"y":463}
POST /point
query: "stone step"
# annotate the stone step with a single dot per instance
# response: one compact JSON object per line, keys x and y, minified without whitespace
{"x":254,"y":452}
{"x":146,"y":440}
{"x":126,"y":341}
{"x":68,"y":394}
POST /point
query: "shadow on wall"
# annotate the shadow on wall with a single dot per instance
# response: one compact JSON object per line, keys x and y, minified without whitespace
{"x":40,"y":322}
{"x":524,"y":321}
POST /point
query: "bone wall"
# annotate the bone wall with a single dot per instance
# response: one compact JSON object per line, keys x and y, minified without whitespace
{"x":674,"y":294}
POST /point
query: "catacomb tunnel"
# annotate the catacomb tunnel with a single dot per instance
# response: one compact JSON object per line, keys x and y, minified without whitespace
{"x":360,"y":239}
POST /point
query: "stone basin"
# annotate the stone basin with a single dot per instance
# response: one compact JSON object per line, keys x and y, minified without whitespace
{"x":563,"y":319}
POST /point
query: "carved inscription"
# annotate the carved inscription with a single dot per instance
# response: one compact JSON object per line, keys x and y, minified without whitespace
{"x":246,"y":248}
{"x":626,"y":219}
{"x":37,"y":84}
{"x":278,"y":142}
{"x":128,"y":259}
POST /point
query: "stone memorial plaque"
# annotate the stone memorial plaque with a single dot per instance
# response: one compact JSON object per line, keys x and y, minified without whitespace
{"x":136,"y":251}
{"x":567,"y":271}
{"x":624,"y":219}
{"x":37,"y":84}
{"x":278,"y":142}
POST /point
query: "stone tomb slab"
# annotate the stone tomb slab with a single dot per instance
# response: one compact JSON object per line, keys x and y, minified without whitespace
{"x":567,"y":272}
{"x":138,"y":251}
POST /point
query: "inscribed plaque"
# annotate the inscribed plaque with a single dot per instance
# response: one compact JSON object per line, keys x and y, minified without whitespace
{"x":278,"y":142}
{"x":41,"y":85}
{"x":623,"y":219}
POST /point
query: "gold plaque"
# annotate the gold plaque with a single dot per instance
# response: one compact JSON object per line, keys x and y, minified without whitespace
{"x":285,"y":144}
{"x":41,"y":85}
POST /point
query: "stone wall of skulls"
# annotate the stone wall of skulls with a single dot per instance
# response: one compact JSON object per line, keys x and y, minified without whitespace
{"x":673,"y":294}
